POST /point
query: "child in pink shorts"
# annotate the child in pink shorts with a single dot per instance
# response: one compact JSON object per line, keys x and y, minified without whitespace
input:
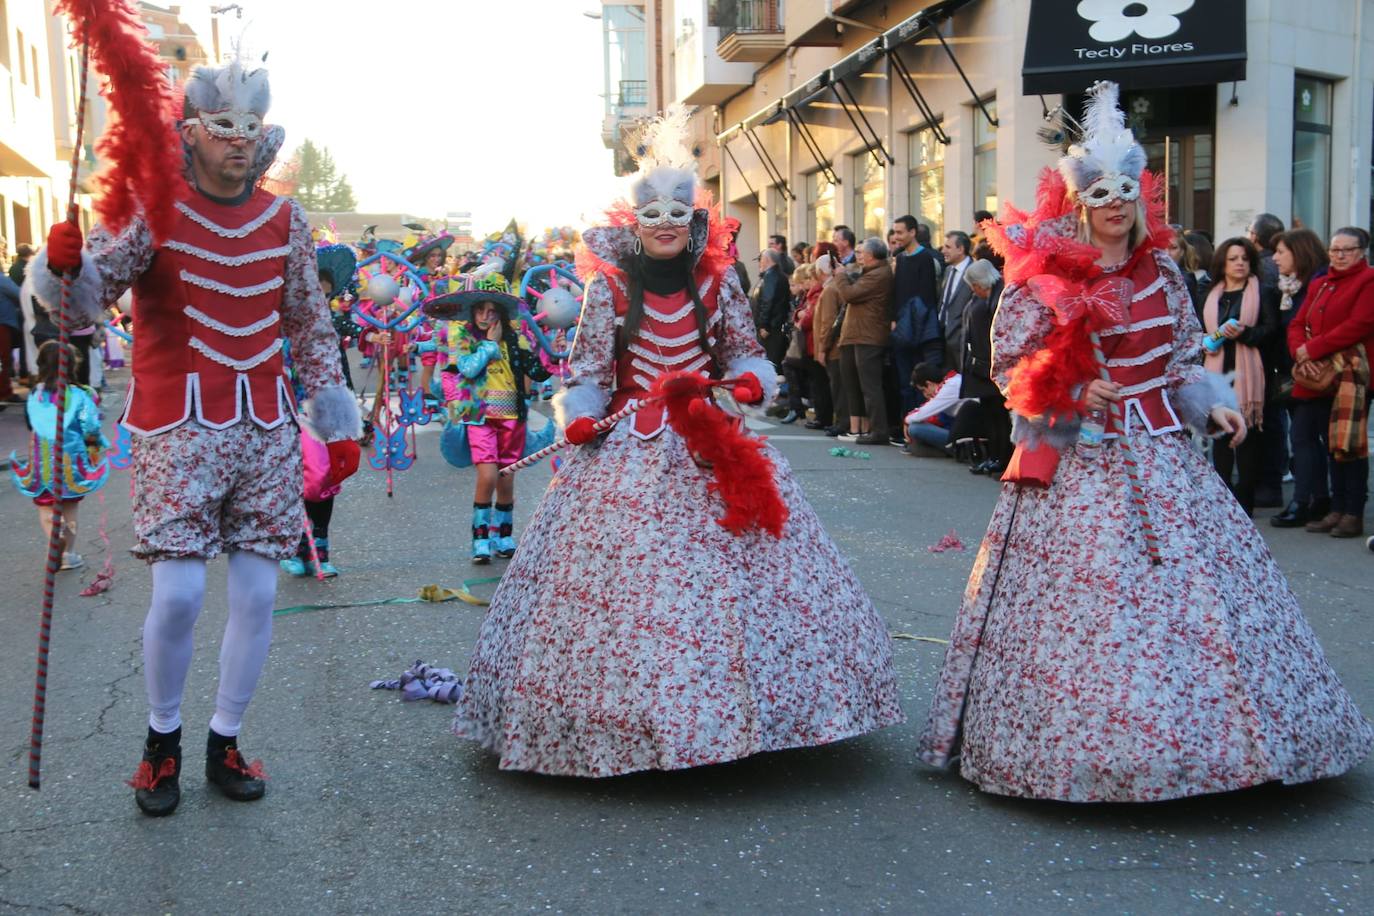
{"x":488,"y":362}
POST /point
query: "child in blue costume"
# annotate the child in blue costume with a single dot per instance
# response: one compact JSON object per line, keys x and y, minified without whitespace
{"x":84,"y":467}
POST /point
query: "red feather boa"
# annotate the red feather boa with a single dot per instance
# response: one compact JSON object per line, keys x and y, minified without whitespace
{"x":1043,"y":383}
{"x":713,"y":261}
{"x":146,"y":164}
{"x":744,"y":477}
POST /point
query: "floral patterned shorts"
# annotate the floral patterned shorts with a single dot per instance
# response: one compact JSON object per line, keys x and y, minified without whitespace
{"x":200,"y":491}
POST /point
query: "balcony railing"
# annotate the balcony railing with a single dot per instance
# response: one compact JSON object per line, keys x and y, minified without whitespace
{"x":745,"y":16}
{"x":634,"y":93}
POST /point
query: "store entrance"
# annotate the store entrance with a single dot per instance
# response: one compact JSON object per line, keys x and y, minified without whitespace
{"x":1176,"y":127}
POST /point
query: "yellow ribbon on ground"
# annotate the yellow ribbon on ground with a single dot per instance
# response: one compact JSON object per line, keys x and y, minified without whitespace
{"x":428,"y":594}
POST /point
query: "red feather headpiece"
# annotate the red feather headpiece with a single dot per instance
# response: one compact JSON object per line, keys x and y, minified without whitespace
{"x":145,"y":171}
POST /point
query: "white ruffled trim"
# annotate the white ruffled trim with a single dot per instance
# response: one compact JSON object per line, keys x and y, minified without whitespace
{"x":650,"y":312}
{"x":239,"y":365}
{"x":681,"y":341}
{"x":662,"y":359}
{"x":1131,"y":391}
{"x":1146,"y":324}
{"x":1150,"y":290}
{"x":243,"y":231}
{"x":227,"y":260}
{"x":1146,"y":357}
{"x":247,"y":330}
{"x":241,"y":292}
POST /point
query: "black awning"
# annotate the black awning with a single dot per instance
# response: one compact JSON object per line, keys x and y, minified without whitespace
{"x":1067,"y":51}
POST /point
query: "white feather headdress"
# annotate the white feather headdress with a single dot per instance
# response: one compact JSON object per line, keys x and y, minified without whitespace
{"x":1106,"y":148}
{"x":230,"y":87}
{"x":667,"y":167}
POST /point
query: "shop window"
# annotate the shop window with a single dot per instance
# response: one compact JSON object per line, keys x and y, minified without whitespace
{"x":869,"y":213}
{"x":926,"y":179}
{"x":1312,"y":154}
{"x":777,"y":211}
{"x":984,"y":159}
{"x":820,"y":205}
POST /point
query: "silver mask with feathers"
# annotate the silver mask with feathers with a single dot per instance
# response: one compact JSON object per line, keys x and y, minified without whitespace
{"x":1104,"y":162}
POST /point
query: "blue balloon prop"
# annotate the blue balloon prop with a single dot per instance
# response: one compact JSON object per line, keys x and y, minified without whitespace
{"x":453,"y":445}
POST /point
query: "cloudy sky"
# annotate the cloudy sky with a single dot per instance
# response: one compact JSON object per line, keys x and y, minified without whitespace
{"x":428,"y":107}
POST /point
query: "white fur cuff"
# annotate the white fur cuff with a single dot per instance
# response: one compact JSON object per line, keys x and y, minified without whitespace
{"x":1196,"y":401}
{"x":85,"y":306}
{"x":762,"y":369}
{"x":331,"y":414}
{"x":579,"y":400}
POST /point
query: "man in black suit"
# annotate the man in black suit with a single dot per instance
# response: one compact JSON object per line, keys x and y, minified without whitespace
{"x":954,"y":295}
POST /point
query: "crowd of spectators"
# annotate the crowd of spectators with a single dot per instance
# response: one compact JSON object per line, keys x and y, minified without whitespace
{"x":866,"y":334}
{"x":889,"y":341}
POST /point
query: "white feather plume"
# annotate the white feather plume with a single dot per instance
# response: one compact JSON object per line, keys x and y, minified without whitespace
{"x":1107,"y":146}
{"x":667,"y":167}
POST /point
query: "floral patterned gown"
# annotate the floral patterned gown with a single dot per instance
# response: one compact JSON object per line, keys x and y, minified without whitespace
{"x":632,"y":632}
{"x":1078,"y":671}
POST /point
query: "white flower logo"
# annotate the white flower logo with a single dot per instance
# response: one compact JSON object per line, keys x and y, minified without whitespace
{"x":1117,"y":20}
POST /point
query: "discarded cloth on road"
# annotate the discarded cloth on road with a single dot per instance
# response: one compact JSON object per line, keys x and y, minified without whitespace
{"x":421,"y":681}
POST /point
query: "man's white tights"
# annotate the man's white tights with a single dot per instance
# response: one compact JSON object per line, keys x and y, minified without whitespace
{"x":178,"y":593}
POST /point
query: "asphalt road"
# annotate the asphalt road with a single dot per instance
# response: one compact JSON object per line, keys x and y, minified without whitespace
{"x":374,"y":807}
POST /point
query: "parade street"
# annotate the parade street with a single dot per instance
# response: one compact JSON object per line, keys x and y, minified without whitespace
{"x":373,"y":806}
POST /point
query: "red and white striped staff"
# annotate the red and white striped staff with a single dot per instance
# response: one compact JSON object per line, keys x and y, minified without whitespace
{"x":1118,"y":414}
{"x":600,"y":426}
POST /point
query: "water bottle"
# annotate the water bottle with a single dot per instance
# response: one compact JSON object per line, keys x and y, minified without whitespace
{"x":1091,"y":433}
{"x":1216,"y":340}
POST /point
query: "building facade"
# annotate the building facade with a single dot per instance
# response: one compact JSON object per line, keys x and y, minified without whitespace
{"x":826,"y":112}
{"x":39,"y":86}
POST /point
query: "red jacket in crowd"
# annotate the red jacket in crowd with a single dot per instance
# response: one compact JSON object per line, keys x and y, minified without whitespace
{"x":1339,"y":310}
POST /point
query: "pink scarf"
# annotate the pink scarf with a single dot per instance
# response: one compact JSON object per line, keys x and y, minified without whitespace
{"x":1249,"y":383}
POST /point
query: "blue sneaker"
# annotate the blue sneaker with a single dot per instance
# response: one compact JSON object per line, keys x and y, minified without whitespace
{"x":295,"y":567}
{"x":502,"y":529}
{"x":481,"y":535}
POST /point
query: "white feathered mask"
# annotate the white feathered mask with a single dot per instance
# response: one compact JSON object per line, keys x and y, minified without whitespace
{"x":1105,"y":165}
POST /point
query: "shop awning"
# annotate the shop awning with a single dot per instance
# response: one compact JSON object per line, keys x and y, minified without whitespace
{"x":830,"y":82}
{"x":1070,"y":45}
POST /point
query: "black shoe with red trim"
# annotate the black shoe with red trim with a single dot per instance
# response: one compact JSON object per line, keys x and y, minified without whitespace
{"x":157,"y":781}
{"x":226,"y":770}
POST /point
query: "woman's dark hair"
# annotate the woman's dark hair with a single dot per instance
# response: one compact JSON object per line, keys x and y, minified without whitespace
{"x":1354,"y":232}
{"x":634,"y":288}
{"x":1202,"y":247}
{"x":48,"y":356}
{"x":1309,"y":253}
{"x":1218,"y":268}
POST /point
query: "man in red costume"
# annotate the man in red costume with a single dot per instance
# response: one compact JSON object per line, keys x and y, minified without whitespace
{"x":217,"y":462}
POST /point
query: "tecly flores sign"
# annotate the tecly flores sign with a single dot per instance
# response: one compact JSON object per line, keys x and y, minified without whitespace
{"x":1142,"y":44}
